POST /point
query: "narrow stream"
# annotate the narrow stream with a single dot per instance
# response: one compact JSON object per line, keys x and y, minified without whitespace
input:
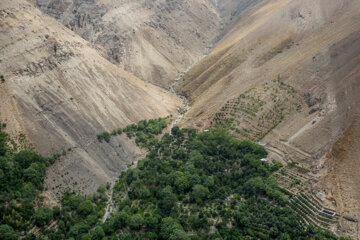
{"x":183,"y":99}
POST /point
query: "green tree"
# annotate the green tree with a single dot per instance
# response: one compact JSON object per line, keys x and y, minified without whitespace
{"x":171,"y":229}
{"x":120,"y":220}
{"x":56,"y":212}
{"x":197,"y":158}
{"x":29,"y":191}
{"x":4,"y":138}
{"x":27,"y":209}
{"x":85,"y":208}
{"x":98,"y":233}
{"x":91,"y":219}
{"x":284,"y":236}
{"x":152,"y":222}
{"x":104,"y":136}
{"x":136,"y":221}
{"x":79,"y":228}
{"x":7,"y":232}
{"x":168,"y":199}
{"x":199,"y":193}
{"x":43,"y":216}
{"x":182,"y":184}
{"x":25,"y":158}
{"x":72,"y":201}
{"x":35,"y":174}
{"x":178,"y":234}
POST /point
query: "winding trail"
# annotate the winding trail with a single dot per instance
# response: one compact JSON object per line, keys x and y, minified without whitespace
{"x":109,"y":205}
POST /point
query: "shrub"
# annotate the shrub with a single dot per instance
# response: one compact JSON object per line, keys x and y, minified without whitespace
{"x":7,"y":232}
{"x":104,"y":136}
{"x":43,"y":216}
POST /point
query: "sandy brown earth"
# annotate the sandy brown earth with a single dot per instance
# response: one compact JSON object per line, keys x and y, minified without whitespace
{"x":61,"y":93}
{"x":315,"y":47}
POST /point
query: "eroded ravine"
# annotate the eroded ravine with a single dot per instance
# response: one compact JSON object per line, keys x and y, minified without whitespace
{"x":186,"y":108}
{"x":109,"y":209}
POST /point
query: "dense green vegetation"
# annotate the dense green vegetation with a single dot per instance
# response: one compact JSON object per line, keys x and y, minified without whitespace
{"x":22,"y":212}
{"x":203,"y":186}
{"x":145,"y":132}
{"x":22,"y":175}
{"x":189,"y":186}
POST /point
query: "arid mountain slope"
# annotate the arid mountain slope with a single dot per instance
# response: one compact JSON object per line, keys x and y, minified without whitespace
{"x":155,"y":40}
{"x":311,"y":49}
{"x":230,"y":9}
{"x":60,"y":92}
{"x":286,"y":73}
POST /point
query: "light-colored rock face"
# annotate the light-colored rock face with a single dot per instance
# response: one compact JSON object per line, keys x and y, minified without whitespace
{"x":61,"y":93}
{"x":230,"y":9}
{"x":155,"y":40}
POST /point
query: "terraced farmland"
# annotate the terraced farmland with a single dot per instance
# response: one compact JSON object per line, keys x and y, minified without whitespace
{"x":312,"y":211}
{"x":257,"y":111}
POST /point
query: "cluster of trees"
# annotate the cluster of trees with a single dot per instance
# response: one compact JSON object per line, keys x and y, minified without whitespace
{"x":21,"y":209}
{"x":144,"y":131}
{"x":104,"y":136}
{"x":203,"y":186}
{"x":189,"y":186}
{"x":79,"y":217}
{"x":21,"y":179}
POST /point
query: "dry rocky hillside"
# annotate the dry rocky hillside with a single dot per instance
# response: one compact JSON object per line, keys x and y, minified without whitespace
{"x":284,"y":73}
{"x":61,"y":93}
{"x":287,"y":73}
{"x":229,"y":10}
{"x":155,"y":40}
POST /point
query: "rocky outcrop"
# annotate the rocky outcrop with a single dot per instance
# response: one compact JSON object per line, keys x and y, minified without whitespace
{"x":155,"y":40}
{"x":229,"y":10}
